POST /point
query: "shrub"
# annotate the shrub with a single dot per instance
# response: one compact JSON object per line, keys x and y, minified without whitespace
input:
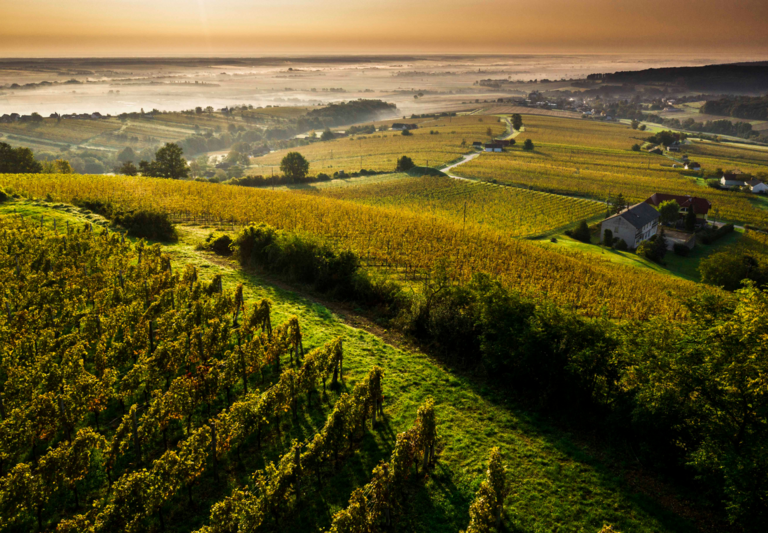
{"x":620,"y":244}
{"x":218,"y":244}
{"x":711,"y":235}
{"x":607,"y":237}
{"x":146,"y":224}
{"x":4,"y":196}
{"x":323,"y":177}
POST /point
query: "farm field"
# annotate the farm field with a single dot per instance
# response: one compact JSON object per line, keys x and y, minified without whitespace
{"x":597,"y":163}
{"x":513,"y":211}
{"x":70,"y":131}
{"x":391,"y":238}
{"x":550,"y":472}
{"x":380,"y":151}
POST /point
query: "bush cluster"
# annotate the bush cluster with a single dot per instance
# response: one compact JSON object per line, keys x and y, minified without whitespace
{"x":710,"y":235}
{"x":140,"y":223}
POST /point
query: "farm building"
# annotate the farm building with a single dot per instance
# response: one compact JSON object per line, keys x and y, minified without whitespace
{"x":700,"y":206}
{"x":477,"y":144}
{"x":633,"y":225}
{"x":674,"y":147}
{"x":757,"y":186}
{"x":732,"y":179}
{"x":399,"y":126}
{"x":692,"y":166}
{"x":493,"y":147}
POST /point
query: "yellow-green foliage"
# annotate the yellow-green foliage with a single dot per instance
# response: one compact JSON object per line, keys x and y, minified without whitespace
{"x":389,"y":236}
{"x":513,"y":211}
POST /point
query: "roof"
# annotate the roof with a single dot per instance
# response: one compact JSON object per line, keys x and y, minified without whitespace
{"x":493,"y":145}
{"x":754,"y":182}
{"x":638,"y":215}
{"x":701,"y":206}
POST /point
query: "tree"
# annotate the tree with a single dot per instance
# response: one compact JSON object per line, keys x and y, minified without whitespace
{"x":128,"y":169}
{"x":517,"y":121}
{"x":294,"y":166}
{"x":528,"y":145}
{"x":18,"y":160}
{"x":659,"y":248}
{"x":327,"y":135}
{"x":635,"y":124}
{"x":618,"y":204}
{"x":642,"y":127}
{"x":690,"y":219}
{"x":59,"y":166}
{"x":708,"y":378}
{"x":127,"y":154}
{"x":169,"y":163}
{"x":404,"y":164}
{"x":406,"y":133}
{"x":669,"y":211}
{"x":728,"y":269}
{"x":489,"y":132}
{"x":635,"y":147}
{"x":582,"y":233}
{"x":608,"y":238}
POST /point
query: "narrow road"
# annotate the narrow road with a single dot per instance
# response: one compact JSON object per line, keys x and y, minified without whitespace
{"x":464,"y":159}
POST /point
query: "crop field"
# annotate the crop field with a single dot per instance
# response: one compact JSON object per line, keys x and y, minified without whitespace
{"x":380,"y":151}
{"x":72,"y":131}
{"x":588,"y":167}
{"x":389,"y":238}
{"x":513,"y":211}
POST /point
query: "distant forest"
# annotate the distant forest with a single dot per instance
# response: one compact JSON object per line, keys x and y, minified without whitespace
{"x":747,"y":107}
{"x":730,"y":78}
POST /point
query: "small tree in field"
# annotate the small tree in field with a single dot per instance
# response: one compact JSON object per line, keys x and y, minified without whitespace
{"x":169,"y":163}
{"x":294,"y":166}
{"x":528,"y":145}
{"x":404,"y":164}
{"x":406,"y":133}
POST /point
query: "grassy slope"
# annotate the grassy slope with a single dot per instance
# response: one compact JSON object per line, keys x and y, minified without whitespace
{"x":557,"y":485}
{"x":675,"y":265}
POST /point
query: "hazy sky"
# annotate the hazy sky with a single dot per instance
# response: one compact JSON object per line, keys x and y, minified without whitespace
{"x":256,"y":27}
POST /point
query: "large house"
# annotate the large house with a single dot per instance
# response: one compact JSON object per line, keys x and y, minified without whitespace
{"x":634,"y":225}
{"x":494,"y":147}
{"x":700,"y":206}
{"x":399,"y":126}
